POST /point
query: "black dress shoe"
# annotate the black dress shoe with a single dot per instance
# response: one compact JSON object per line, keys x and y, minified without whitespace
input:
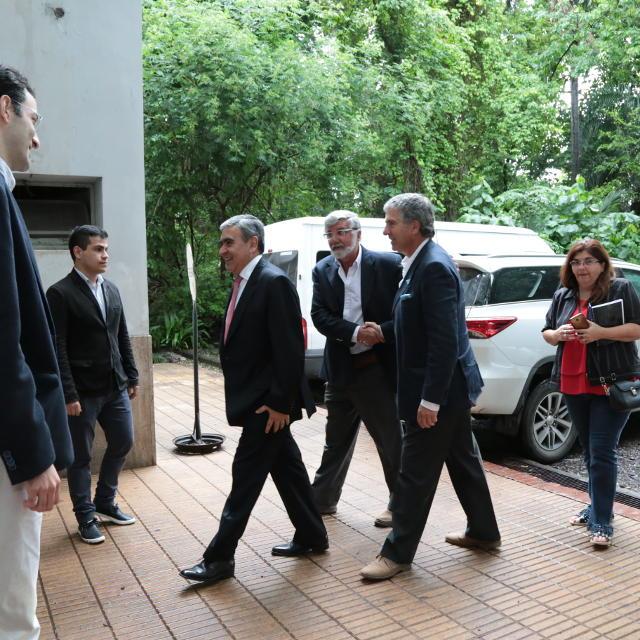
{"x":292,"y":549}
{"x":209,"y":571}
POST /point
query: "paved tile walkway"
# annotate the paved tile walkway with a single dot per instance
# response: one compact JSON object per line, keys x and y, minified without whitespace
{"x":545,"y":582}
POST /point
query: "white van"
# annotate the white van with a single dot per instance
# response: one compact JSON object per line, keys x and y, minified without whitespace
{"x":296,"y":245}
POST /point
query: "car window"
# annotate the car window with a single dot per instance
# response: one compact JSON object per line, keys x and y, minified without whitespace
{"x":517,"y":284}
{"x":287,"y":261}
{"x":475,"y":284}
{"x":633,"y":277}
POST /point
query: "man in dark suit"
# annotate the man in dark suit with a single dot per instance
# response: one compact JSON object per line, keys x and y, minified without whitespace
{"x":34,"y":437}
{"x":353,"y":291}
{"x":262,"y":357}
{"x":99,"y":377}
{"x":438,"y":383}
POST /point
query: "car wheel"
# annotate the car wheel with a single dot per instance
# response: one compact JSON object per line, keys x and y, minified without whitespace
{"x":546,"y":429}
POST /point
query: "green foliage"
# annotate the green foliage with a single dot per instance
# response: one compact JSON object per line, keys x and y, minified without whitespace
{"x":284,"y":108}
{"x":561,"y":214}
{"x":176,"y":332}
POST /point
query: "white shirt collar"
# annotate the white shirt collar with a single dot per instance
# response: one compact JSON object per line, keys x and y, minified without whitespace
{"x":7,"y":174}
{"x":245,"y":274}
{"x":99,"y":279}
{"x":407,"y":261}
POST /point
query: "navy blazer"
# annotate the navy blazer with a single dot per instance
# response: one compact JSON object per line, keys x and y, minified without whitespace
{"x":94,"y":355}
{"x":33,"y":428}
{"x":263,"y":358}
{"x":431,"y":334}
{"x":381,"y":273}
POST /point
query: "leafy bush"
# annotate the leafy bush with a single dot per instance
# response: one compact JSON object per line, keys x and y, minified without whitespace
{"x":561,"y":214}
{"x":175,"y":332}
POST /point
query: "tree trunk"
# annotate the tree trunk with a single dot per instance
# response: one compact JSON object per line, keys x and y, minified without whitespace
{"x":576,"y":134}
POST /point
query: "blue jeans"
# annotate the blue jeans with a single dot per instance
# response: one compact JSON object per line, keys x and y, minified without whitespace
{"x":599,"y":428}
{"x":113,"y":411}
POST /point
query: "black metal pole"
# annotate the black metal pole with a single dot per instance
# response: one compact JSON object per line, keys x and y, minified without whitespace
{"x":197,"y":434}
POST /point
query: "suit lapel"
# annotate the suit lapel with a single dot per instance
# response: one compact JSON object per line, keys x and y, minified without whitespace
{"x":242,"y":304}
{"x":335,"y":282}
{"x":367,"y":278}
{"x":83,"y":287}
{"x":406,"y":281}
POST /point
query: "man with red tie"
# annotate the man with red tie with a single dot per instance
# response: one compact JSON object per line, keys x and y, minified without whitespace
{"x":262,"y":357}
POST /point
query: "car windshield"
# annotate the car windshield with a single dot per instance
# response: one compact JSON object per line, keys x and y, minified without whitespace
{"x":287,"y":261}
{"x":511,"y":284}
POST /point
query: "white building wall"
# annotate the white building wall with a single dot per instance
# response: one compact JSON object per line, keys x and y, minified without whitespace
{"x":84,"y":61}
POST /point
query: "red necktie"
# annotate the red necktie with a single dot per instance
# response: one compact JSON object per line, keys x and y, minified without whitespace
{"x":232,"y":306}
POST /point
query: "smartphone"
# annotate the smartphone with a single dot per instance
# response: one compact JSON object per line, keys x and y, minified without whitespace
{"x":579,"y":321}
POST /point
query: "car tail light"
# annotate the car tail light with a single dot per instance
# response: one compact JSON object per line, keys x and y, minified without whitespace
{"x":488,"y":327}
{"x":304,"y":332}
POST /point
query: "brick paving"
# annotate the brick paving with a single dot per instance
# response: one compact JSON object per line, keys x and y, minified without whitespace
{"x":545,"y":582}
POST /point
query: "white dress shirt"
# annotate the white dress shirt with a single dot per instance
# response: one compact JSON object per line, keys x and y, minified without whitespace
{"x":352,"y":310}
{"x":97,"y":290}
{"x":8,"y":176}
{"x":245,"y":274}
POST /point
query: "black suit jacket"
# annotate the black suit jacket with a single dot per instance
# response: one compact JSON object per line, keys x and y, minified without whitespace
{"x":95,"y":356}
{"x":381,"y":273}
{"x":33,"y":428}
{"x":263,"y":358}
{"x":431,"y":334}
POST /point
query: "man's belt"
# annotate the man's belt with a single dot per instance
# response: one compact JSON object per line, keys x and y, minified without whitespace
{"x":364,"y":359}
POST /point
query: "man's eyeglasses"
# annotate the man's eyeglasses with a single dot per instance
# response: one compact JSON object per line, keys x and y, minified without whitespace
{"x":36,"y":118}
{"x":340,"y":233}
{"x":588,"y":262}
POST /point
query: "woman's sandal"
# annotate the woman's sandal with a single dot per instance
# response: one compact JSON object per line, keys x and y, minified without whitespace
{"x":580,"y":519}
{"x":600,"y":539}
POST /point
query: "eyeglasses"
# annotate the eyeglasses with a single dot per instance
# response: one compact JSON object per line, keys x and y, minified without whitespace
{"x":587,"y":262}
{"x":36,"y":117}
{"x":340,"y":233}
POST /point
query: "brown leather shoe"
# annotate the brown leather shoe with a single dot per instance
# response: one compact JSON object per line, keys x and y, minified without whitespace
{"x":384,"y":519}
{"x":382,"y":569}
{"x":463,"y":540}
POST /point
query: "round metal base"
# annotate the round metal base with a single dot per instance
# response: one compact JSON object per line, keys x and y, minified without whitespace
{"x":209,"y":442}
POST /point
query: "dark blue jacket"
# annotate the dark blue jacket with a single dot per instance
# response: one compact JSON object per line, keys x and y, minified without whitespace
{"x":33,"y":426}
{"x":381,"y":274}
{"x":431,"y":334}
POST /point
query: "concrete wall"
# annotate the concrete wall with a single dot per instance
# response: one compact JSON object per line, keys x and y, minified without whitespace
{"x":84,"y":61}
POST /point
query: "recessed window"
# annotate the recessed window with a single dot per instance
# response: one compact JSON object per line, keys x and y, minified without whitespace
{"x":52,"y":211}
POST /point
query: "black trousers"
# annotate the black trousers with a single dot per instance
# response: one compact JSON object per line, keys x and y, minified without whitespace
{"x":258,"y":455}
{"x":424,"y":452}
{"x":369,"y":398}
{"x":113,"y":412}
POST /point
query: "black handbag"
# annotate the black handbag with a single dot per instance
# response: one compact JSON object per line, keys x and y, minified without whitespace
{"x":623,"y":395}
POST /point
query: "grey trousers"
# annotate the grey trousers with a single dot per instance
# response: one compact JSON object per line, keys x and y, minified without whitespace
{"x":368,"y":398}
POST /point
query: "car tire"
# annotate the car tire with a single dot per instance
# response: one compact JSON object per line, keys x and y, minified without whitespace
{"x":546,"y":430}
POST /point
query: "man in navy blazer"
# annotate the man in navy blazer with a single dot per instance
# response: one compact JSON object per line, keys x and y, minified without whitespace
{"x":34,"y":437}
{"x":438,"y":383}
{"x":353,"y":291}
{"x":262,"y":357}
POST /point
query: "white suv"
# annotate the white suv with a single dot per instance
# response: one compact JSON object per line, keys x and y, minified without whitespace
{"x":507,"y":298}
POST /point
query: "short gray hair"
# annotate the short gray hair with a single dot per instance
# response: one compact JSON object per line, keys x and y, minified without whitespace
{"x":249,"y":227}
{"x":341,"y":214}
{"x":414,"y":206}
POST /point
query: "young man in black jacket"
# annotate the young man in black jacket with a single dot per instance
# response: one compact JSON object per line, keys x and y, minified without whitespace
{"x":99,"y":377}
